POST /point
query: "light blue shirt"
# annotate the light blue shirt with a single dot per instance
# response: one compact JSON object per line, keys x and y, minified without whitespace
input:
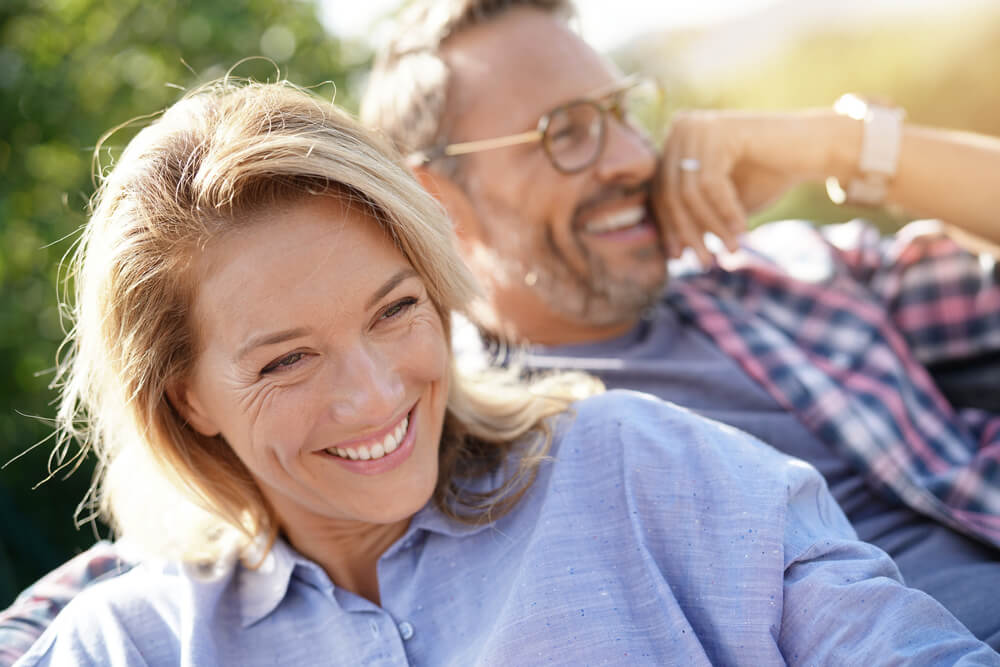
{"x":652,"y":537}
{"x":672,"y":358}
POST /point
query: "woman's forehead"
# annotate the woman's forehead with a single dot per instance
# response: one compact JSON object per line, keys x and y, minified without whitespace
{"x":301,"y":261}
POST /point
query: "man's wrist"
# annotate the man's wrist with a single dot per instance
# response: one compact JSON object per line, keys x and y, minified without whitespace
{"x":844,"y":137}
{"x":876,"y":153}
{"x":807,"y":145}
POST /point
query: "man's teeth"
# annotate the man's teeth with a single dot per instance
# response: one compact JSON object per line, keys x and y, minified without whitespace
{"x":388,"y":445}
{"x":618,"y":220}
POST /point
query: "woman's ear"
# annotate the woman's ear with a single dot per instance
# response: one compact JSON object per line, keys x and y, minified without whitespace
{"x":453,"y":198}
{"x":191,"y":408}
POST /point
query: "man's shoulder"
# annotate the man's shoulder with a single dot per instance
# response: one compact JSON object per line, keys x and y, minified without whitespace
{"x":122,"y":610}
{"x":142,"y":610}
{"x":25,"y":620}
{"x":133,"y":593}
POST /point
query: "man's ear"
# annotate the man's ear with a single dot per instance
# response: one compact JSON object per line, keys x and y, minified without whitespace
{"x":455,"y":201}
{"x":191,"y":409}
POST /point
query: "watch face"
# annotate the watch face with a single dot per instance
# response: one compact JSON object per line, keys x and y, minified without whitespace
{"x":881,"y":136}
{"x":880,"y":142}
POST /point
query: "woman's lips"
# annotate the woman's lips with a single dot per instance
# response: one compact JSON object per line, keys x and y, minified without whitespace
{"x":379,"y":455}
{"x":375,"y":449}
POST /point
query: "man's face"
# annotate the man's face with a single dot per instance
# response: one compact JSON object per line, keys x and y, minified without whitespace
{"x":562,"y":257}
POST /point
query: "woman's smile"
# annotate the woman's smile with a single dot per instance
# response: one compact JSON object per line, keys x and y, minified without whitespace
{"x":379,"y":453}
{"x":340,"y":363}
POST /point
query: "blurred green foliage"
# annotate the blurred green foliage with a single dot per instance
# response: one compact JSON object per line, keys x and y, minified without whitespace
{"x":69,"y":71}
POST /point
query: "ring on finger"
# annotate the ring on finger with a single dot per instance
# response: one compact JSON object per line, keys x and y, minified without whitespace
{"x":689,"y":164}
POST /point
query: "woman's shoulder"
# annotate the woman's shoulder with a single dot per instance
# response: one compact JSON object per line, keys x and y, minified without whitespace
{"x":643,"y":430}
{"x":615,"y":404}
{"x":138,"y":613}
{"x":631,"y":459}
{"x":636,"y":415}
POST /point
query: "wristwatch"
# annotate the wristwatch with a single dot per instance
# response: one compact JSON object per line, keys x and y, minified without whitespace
{"x":880,"y":142}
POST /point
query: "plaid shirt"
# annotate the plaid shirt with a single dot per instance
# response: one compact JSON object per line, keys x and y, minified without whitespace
{"x":36,"y":607}
{"x":838,"y":325}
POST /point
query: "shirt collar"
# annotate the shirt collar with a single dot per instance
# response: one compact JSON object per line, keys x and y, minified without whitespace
{"x":262,"y":589}
{"x":431,"y":519}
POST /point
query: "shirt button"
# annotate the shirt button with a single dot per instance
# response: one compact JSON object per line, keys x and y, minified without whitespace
{"x":405,"y":630}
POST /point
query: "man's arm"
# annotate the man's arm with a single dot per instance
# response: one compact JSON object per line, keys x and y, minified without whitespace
{"x":748,"y":159}
{"x":35,"y":608}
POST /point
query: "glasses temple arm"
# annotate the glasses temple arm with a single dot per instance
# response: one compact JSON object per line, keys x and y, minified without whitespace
{"x":489,"y":144}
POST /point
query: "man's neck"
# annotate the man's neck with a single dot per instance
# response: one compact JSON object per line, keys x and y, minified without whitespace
{"x":551,"y":331}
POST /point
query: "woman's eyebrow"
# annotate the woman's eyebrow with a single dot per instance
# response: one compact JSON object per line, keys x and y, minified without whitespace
{"x":289,"y":334}
{"x":390,"y":285}
{"x":269,"y":339}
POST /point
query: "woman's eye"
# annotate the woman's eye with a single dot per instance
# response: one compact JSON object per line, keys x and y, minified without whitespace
{"x":284,"y":362}
{"x":398,"y":308}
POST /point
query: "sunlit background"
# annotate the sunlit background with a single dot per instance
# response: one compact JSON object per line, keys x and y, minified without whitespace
{"x":72,"y":69}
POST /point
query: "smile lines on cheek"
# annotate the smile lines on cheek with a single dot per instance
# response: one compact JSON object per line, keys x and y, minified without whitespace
{"x":388,"y":445}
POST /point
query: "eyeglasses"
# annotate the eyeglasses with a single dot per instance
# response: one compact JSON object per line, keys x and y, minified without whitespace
{"x":572,"y":134}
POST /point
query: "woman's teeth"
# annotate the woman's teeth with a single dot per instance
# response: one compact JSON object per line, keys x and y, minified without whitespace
{"x":388,"y":445}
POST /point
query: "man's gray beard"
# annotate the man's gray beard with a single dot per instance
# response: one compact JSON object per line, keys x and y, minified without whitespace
{"x":597,"y":299}
{"x":594,"y":298}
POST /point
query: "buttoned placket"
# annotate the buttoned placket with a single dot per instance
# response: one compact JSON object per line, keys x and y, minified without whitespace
{"x":397,"y":559}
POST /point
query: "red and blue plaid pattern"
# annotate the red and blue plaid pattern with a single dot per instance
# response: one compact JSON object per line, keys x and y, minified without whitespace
{"x":838,"y":326}
{"x":36,"y":607}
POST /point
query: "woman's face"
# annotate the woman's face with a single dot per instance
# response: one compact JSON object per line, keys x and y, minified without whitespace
{"x":323,"y":364}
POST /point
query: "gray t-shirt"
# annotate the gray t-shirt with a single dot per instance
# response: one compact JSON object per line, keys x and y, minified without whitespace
{"x":670,"y":358}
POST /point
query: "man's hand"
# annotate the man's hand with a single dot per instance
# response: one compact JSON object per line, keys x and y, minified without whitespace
{"x":718,"y":166}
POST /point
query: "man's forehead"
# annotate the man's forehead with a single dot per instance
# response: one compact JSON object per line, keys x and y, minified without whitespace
{"x":522,"y":64}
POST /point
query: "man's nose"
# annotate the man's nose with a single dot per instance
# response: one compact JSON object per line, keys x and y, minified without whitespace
{"x":628,"y":156}
{"x":367,"y":387}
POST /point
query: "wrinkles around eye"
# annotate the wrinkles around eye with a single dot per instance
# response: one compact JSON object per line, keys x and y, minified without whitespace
{"x":284,"y":362}
{"x":399,"y":308}
{"x":394,"y":311}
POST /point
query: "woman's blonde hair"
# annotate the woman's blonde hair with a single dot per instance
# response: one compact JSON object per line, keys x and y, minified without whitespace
{"x":223,"y":151}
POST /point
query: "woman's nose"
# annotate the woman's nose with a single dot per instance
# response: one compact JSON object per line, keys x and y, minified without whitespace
{"x":367,"y":386}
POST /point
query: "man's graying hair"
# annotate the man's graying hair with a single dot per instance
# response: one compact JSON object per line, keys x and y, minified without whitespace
{"x":407,"y":94}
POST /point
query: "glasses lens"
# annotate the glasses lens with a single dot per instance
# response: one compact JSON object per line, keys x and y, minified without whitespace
{"x":643,"y":105}
{"x":574,"y":135}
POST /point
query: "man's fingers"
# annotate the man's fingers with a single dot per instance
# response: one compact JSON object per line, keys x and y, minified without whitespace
{"x":695,"y":191}
{"x":660,"y":210}
{"x":726,"y":203}
{"x":688,"y":232}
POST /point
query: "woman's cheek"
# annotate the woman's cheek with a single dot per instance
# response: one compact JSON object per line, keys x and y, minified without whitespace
{"x":278,"y":419}
{"x":426,"y":347}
